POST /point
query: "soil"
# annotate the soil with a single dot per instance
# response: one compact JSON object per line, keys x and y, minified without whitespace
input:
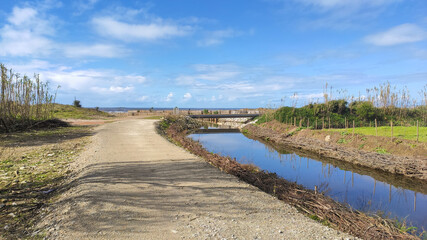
{"x":134,"y":184}
{"x":401,"y":157}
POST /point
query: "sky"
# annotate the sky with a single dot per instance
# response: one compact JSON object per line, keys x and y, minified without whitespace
{"x":222,"y":53}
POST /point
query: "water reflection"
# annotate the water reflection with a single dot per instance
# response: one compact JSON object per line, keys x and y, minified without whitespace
{"x":361,"y":188}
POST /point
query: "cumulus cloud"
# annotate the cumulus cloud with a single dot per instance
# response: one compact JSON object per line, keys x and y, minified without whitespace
{"x":110,"y":27}
{"x":169,"y":97}
{"x":405,"y":33}
{"x":26,"y":33}
{"x":187,"y":96}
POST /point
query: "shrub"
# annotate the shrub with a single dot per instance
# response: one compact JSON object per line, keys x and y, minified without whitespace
{"x":76,"y":103}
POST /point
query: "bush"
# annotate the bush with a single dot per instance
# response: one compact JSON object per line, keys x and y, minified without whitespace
{"x":76,"y":103}
{"x":365,"y":110}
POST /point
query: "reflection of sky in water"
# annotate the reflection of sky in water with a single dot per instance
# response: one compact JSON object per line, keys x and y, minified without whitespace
{"x":360,"y":191}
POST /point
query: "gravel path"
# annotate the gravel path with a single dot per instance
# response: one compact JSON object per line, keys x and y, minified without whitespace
{"x":133,"y":184}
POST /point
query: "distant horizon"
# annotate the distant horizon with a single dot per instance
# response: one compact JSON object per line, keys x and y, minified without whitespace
{"x":215,"y":53}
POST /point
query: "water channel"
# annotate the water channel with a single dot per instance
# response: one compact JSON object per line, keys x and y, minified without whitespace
{"x":363,"y":189}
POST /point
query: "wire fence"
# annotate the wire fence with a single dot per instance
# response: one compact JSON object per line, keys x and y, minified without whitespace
{"x":329,"y":123}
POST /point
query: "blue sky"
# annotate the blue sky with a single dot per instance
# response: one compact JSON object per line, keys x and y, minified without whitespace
{"x":222,"y":53}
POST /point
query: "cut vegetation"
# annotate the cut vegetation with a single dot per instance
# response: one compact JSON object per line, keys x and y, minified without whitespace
{"x":32,"y":167}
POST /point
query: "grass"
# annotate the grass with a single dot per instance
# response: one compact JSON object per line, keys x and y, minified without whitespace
{"x":67,"y":111}
{"x":32,"y":166}
{"x":409,"y":133}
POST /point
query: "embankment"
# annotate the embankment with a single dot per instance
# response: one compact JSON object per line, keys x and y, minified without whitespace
{"x":305,"y":140}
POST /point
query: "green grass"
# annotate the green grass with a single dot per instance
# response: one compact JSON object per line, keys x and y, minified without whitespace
{"x":68,"y":111}
{"x":400,"y":132}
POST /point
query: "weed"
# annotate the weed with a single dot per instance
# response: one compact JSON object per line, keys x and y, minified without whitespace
{"x":403,"y":227}
{"x":361,"y":145}
{"x":341,"y":141}
{"x":381,"y":150}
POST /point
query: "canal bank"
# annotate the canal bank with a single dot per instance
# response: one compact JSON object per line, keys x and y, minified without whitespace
{"x":314,"y":204}
{"x":326,"y":144}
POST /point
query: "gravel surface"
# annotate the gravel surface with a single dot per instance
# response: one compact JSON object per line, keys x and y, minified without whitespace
{"x":133,"y":184}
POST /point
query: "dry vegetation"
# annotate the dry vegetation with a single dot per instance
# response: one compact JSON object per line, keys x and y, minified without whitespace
{"x":32,"y":167}
{"x":23,"y":102}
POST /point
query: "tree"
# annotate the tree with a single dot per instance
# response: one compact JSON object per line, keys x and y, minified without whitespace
{"x":76,"y":103}
{"x":365,"y":110}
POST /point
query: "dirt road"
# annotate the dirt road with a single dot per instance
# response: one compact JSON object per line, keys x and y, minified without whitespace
{"x":133,"y":184}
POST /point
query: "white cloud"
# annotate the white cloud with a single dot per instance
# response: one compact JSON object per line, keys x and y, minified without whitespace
{"x":344,"y":3}
{"x":131,"y":78}
{"x":96,"y":50}
{"x":217,"y":37}
{"x":110,"y":27}
{"x":113,"y":89}
{"x":405,"y":33}
{"x":169,"y":97}
{"x":143,"y":98}
{"x":84,"y":5}
{"x":187,"y":96}
{"x":22,"y":16}
{"x":343,"y":14}
{"x":310,"y":96}
{"x":25,"y":34}
{"x":209,"y":72}
{"x":73,"y":80}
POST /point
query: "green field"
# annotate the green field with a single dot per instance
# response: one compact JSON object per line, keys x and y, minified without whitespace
{"x":68,"y":111}
{"x":400,"y":132}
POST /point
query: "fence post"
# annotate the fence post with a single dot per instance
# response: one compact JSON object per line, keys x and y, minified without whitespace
{"x":308,"y":122}
{"x":391,"y":125}
{"x":316,"y":124}
{"x":295,"y":121}
{"x":417,"y":131}
{"x":345,"y":122}
{"x":323,"y":123}
{"x":376,"y":130}
{"x":353,"y":128}
{"x":329,"y":122}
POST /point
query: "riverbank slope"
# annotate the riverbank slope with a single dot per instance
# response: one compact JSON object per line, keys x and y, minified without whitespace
{"x":410,"y":162}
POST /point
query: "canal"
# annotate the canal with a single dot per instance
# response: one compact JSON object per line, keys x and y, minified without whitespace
{"x":363,"y":189}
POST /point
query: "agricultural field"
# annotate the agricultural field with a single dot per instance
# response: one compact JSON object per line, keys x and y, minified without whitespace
{"x":409,"y":133}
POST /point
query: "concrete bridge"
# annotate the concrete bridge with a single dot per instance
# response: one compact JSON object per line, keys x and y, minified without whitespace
{"x":216,"y":116}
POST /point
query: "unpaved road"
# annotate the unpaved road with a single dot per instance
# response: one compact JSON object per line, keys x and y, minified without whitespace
{"x":133,"y":184}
